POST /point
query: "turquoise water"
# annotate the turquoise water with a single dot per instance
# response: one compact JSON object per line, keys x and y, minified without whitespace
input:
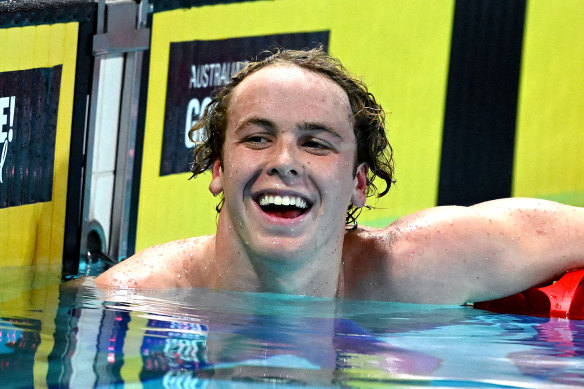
{"x":56,"y":335}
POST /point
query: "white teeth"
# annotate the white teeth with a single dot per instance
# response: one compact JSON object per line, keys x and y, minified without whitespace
{"x":283,"y":200}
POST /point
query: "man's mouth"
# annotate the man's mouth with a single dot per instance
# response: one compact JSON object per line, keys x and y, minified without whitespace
{"x":287,"y":207}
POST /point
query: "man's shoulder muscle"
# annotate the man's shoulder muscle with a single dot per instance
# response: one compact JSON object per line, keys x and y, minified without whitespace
{"x":398,"y":262}
{"x":172,"y":264}
{"x":368,"y":254}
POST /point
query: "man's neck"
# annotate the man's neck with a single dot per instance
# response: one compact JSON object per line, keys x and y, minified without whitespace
{"x":312,"y":276}
{"x":313,"y":272}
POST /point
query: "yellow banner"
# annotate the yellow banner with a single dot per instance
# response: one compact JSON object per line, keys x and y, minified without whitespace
{"x":550,"y":135}
{"x":400,"y":49}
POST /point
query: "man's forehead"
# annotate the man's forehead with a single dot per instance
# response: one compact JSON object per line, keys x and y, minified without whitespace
{"x":292,"y":99}
{"x":279,"y":75}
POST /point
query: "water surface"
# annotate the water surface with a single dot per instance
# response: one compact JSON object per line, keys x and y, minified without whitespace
{"x":59,"y":335}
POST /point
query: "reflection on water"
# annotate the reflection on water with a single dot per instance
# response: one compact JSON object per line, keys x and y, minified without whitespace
{"x":77,"y":336}
{"x":19,"y":340}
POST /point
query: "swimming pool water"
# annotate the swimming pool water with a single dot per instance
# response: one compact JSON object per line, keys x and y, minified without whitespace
{"x":59,"y":335}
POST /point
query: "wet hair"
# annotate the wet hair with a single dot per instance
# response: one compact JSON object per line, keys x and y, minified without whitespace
{"x":373,"y":148}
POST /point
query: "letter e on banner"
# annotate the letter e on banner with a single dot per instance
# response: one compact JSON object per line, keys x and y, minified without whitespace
{"x":6,"y":135}
{"x":4,"y":105}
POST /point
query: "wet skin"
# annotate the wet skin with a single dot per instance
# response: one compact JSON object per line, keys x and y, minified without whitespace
{"x":290,"y":138}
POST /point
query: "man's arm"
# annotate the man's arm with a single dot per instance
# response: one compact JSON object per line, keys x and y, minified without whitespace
{"x":490,"y":250}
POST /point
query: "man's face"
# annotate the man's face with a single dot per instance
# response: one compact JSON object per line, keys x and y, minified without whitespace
{"x":288,"y":162}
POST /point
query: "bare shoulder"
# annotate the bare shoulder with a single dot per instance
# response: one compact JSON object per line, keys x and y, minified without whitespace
{"x":174,"y":264}
{"x":454,"y":254}
{"x":411,"y":260}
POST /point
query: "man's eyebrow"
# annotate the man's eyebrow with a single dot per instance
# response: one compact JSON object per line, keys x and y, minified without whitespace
{"x":258,"y":121}
{"x":319,"y":127}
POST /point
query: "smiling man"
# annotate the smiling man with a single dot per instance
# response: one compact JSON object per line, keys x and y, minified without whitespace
{"x":294,"y":143}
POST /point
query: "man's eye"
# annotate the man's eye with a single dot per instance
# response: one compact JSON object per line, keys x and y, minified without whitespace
{"x":316,"y":145}
{"x":257,"y":140}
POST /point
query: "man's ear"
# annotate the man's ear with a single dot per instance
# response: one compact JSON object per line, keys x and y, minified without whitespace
{"x":216,"y":185}
{"x":359,"y":197}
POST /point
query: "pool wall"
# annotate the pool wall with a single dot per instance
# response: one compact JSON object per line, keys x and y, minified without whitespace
{"x":484,"y":100}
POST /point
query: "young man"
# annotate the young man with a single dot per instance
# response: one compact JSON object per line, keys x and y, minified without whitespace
{"x":293,"y":143}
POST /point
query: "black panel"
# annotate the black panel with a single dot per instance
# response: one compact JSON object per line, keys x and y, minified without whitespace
{"x":84,"y":66}
{"x":481,"y":103}
{"x":19,"y":13}
{"x":29,"y":101}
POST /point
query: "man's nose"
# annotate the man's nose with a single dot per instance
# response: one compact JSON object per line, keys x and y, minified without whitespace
{"x":284,"y":162}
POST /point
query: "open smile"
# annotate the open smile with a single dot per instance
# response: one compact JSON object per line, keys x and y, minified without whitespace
{"x":283,"y":206}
